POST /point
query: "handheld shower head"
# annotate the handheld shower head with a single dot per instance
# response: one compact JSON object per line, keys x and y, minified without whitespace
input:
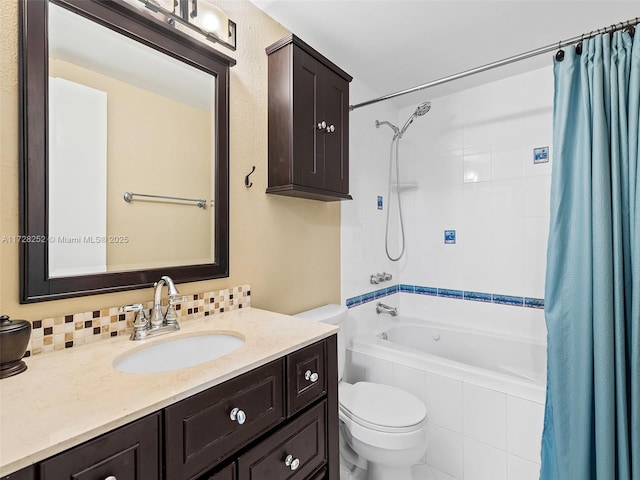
{"x":422,"y":109}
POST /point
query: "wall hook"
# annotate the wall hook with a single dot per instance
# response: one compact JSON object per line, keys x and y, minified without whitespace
{"x":247,"y":183}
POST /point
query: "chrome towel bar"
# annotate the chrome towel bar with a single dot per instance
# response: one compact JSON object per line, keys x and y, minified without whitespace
{"x":129,"y":197}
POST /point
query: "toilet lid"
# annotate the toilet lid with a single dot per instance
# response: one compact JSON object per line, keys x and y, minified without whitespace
{"x":382,"y":405}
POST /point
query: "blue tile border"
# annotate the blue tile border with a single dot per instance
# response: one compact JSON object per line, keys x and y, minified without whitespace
{"x":426,"y":290}
{"x":534,"y":303}
{"x":478,"y":297}
{"x":447,"y":293}
{"x":508,"y":300}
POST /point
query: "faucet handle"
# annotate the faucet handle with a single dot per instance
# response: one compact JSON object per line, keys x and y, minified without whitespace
{"x":175,"y":299}
{"x":140,"y":320}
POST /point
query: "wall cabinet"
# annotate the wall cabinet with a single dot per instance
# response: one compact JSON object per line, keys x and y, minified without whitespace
{"x":277,"y":422}
{"x":308,"y":123}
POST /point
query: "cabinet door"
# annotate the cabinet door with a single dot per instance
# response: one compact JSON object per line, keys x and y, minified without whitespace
{"x":199,"y":431}
{"x":294,"y":452}
{"x":308,"y":111}
{"x":227,"y":473}
{"x":128,"y":453}
{"x":306,"y":377}
{"x":336,"y":138}
{"x":24,"y":474}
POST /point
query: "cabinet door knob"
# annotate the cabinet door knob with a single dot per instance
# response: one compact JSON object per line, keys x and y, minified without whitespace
{"x":292,"y":463}
{"x":111,"y":477}
{"x":322,"y":125}
{"x":331,"y":129}
{"x":238,"y":415}
{"x":311,"y":376}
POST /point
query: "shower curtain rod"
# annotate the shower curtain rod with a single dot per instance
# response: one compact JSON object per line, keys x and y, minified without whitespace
{"x":500,"y":63}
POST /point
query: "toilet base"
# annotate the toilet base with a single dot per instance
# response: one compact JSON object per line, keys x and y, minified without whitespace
{"x":377,"y":471}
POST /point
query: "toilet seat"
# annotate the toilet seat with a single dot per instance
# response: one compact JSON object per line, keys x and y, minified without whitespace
{"x":381,"y":407}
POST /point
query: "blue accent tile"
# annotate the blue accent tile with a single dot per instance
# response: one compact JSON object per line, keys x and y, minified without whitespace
{"x":426,"y":291}
{"x":354,"y":301}
{"x":508,"y":300}
{"x":445,"y":292}
{"x":534,"y":302}
{"x":407,"y":288}
{"x":368,"y":297}
{"x":392,"y":289}
{"x":477,"y":296}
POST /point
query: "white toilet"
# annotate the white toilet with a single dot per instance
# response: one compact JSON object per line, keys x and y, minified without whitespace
{"x":384,"y":425}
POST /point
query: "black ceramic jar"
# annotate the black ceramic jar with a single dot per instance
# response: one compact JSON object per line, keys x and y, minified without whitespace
{"x":14,"y":337}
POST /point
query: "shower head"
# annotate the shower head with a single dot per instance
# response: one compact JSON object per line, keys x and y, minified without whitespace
{"x":422,"y":109}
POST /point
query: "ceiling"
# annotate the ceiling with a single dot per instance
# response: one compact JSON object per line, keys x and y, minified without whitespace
{"x":391,"y":45}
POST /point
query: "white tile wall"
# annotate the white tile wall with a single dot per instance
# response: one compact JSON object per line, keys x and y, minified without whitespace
{"x":525,"y":421}
{"x":521,"y":469}
{"x":472,"y":156}
{"x":445,"y":451}
{"x":482,"y":462}
{"x":444,"y":402}
{"x":485,"y":416}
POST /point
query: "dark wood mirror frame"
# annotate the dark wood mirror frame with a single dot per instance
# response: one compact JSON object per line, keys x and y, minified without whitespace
{"x":36,"y":285}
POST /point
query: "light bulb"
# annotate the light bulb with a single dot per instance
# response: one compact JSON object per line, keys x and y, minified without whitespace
{"x":212,"y":20}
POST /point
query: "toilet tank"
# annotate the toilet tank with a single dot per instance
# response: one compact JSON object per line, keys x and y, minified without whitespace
{"x":335,"y":315}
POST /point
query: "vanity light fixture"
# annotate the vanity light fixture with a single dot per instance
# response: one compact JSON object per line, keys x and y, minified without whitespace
{"x":202,"y":18}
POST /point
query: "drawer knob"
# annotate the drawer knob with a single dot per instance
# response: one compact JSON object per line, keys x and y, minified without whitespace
{"x":322,"y":125}
{"x":292,"y":463}
{"x":238,"y":415}
{"x":110,"y":477}
{"x":311,"y":376}
{"x":331,"y":129}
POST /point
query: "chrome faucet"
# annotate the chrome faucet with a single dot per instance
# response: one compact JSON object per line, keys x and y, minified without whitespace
{"x":159,"y":322}
{"x":382,"y":308}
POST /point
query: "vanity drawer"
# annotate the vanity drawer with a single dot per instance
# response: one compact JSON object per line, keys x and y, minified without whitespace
{"x":199,"y":431}
{"x":307,"y":379}
{"x":304,"y":440}
{"x":128,"y":453}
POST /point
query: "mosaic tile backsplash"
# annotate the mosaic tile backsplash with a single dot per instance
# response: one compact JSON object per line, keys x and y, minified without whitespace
{"x":75,"y":329}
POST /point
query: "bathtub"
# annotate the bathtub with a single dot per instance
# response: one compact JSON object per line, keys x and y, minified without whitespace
{"x":484,"y":392}
{"x":504,"y":362}
{"x":510,"y":356}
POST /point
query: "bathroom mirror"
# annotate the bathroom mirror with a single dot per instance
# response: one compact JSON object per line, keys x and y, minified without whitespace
{"x":124,"y":160}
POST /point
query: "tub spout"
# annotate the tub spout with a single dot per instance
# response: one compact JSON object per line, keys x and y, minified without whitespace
{"x":382,"y":308}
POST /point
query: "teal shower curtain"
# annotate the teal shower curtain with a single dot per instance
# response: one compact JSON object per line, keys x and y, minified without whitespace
{"x":592,"y":297}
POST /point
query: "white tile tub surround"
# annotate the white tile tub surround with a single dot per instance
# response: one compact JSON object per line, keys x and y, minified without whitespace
{"x":472,"y":156}
{"x":479,"y":428}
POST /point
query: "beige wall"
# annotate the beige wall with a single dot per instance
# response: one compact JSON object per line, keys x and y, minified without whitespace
{"x":288,"y":249}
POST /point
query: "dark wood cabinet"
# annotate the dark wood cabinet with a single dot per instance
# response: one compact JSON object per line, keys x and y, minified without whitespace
{"x":306,"y":376}
{"x":242,"y":429}
{"x":28,"y":473}
{"x":294,"y":452}
{"x":227,"y":473}
{"x":200,"y":430}
{"x":131,"y":452}
{"x":308,"y":123}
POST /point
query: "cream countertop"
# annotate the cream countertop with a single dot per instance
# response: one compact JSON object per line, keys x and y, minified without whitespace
{"x":68,"y":397}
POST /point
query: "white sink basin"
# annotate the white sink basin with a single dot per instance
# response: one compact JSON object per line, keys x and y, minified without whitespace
{"x":179,"y":353}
